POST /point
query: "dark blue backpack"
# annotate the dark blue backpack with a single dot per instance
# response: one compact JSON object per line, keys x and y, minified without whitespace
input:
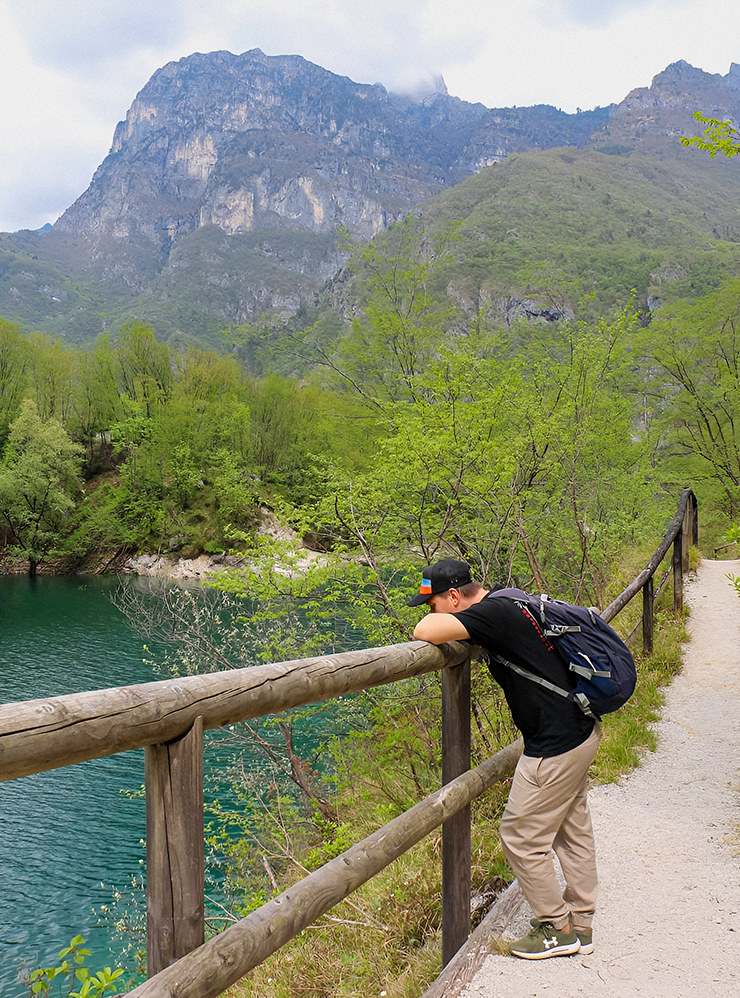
{"x":602,"y":665}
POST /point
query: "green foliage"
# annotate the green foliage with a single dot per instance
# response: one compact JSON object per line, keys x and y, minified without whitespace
{"x":401,"y":326}
{"x":718,"y":136}
{"x":733,"y":534}
{"x":301,"y":606}
{"x":178,"y":444}
{"x":525,"y":462}
{"x":39,"y":481}
{"x":14,"y":360}
{"x":575,"y":232}
{"x":692,"y":382}
{"x":73,"y":978}
{"x":95,"y":402}
{"x":143,"y":366}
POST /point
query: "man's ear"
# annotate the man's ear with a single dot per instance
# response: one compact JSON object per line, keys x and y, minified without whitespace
{"x":454,"y":596}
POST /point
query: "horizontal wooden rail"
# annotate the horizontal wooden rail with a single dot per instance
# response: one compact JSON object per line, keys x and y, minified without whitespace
{"x":214,"y":966}
{"x":687,"y":497}
{"x":36,"y":735}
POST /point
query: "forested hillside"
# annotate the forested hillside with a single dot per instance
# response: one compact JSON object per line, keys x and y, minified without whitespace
{"x":535,"y":448}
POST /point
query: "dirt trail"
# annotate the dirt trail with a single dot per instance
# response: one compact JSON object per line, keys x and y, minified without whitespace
{"x":668,"y":841}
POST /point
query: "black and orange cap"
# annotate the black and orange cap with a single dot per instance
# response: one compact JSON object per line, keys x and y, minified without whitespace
{"x":438,"y":578}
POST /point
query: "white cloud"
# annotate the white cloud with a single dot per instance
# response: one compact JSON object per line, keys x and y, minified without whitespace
{"x":48,"y":136}
{"x":81,"y":33}
{"x":535,"y":57}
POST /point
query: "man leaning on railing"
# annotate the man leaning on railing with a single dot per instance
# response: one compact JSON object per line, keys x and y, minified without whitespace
{"x":547,"y":807}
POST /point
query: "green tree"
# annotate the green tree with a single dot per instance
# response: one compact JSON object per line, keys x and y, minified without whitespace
{"x":692,"y":360}
{"x":14,"y":360}
{"x":39,"y":482}
{"x":402,"y":325}
{"x":95,"y":402}
{"x":144,"y":368}
{"x":52,"y":373}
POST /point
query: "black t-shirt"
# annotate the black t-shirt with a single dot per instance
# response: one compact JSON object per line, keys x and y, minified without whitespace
{"x":549,"y":723}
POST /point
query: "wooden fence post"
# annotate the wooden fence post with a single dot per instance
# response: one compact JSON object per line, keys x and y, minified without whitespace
{"x":678,"y":571}
{"x":174,"y":849}
{"x":694,"y":521}
{"x":647,"y":617}
{"x":456,"y":830}
{"x":686,"y":531}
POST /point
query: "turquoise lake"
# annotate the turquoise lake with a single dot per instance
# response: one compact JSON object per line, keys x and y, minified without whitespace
{"x":69,"y":836}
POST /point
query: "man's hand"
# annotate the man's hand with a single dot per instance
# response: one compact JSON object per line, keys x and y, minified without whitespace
{"x":440,"y":627}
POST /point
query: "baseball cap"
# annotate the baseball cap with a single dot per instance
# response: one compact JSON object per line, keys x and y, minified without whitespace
{"x":438,"y":578}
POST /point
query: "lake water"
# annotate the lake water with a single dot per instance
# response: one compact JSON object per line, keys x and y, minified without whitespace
{"x":65,"y":833}
{"x":69,"y":836}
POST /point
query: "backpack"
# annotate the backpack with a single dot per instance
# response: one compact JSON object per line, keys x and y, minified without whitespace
{"x":603,"y":667}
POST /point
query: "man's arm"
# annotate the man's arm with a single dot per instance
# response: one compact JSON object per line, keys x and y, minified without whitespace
{"x":440,"y":627}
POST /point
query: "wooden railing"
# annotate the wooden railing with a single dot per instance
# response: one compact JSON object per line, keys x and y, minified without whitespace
{"x":682,"y":533}
{"x":168,"y":719}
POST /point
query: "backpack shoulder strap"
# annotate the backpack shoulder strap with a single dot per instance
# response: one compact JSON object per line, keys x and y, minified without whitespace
{"x":533,"y":676}
{"x":579,"y":699}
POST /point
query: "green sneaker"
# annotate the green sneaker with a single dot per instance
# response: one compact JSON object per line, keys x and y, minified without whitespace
{"x":586,"y":939}
{"x":545,"y":940}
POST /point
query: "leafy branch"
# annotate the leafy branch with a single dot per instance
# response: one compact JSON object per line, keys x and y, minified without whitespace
{"x":718,"y":136}
{"x":72,"y":973}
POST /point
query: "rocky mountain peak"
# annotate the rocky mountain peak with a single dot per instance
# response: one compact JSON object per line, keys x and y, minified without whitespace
{"x":651,"y":119}
{"x":733,"y":77}
{"x":248,"y":142}
{"x":231,"y":177}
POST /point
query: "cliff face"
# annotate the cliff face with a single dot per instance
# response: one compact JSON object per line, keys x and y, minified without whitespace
{"x":254,"y":142}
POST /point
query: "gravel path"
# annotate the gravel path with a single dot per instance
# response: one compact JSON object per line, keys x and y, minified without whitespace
{"x":668,"y":841}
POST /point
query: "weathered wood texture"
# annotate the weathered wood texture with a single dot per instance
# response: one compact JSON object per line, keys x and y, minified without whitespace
{"x":213,"y":967}
{"x":647,"y":616}
{"x":45,"y":734}
{"x":466,"y":963}
{"x":687,"y":497}
{"x":169,"y":717}
{"x":175,"y":880}
{"x":456,"y":830}
{"x":694,"y":520}
{"x":678,"y":570}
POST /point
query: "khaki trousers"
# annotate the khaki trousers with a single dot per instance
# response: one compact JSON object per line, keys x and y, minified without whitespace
{"x":548,"y":810}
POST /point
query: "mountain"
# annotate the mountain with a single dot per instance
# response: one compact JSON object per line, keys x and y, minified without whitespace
{"x":234,"y":178}
{"x":227,"y":183}
{"x":253,"y":142}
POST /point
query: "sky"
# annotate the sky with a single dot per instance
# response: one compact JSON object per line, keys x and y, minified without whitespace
{"x":70,"y":69}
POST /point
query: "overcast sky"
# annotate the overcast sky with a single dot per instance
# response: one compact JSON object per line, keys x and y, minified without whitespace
{"x":71,"y":68}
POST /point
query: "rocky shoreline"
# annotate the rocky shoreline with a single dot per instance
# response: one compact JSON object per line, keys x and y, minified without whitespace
{"x":171,"y":566}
